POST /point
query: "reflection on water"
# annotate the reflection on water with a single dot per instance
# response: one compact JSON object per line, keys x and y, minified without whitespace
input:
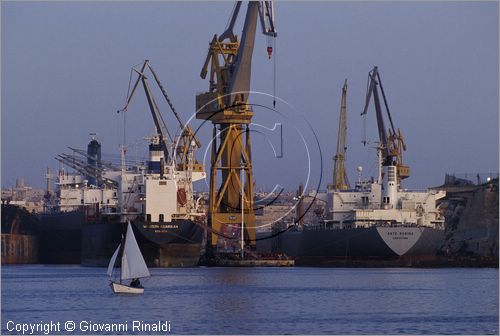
{"x":263,"y":300}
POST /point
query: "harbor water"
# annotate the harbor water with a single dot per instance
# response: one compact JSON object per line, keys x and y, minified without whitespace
{"x":255,"y":301}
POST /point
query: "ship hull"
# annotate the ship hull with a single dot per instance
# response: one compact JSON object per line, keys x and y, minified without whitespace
{"x":99,"y":241}
{"x":368,"y":243}
{"x":61,"y":237}
{"x":19,"y":249}
{"x":19,"y":236}
{"x":166,"y":244}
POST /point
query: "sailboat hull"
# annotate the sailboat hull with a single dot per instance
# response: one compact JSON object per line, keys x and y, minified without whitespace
{"x":124,"y":289}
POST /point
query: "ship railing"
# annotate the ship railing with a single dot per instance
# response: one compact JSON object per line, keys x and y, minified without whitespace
{"x":367,"y":207}
{"x":421,"y":190}
{"x":407,"y":224}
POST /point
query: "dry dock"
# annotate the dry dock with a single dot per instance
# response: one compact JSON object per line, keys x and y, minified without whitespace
{"x":247,"y":263}
{"x":252,"y":260}
{"x":417,"y":262}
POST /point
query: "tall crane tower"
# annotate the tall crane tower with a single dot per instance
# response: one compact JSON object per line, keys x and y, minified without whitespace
{"x":391,"y":142}
{"x":228,"y":64}
{"x":340,"y":181}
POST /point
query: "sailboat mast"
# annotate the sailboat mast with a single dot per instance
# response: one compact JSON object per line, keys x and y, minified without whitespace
{"x":120,"y":254}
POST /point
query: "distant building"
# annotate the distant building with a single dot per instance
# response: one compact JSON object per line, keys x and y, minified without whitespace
{"x":24,"y":197}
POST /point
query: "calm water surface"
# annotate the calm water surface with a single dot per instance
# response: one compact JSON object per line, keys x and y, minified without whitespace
{"x":262,"y":300}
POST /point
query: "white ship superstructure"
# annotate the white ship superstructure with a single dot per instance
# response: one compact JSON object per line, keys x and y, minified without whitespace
{"x":73,"y":192}
{"x":383,"y":203}
{"x":158,"y":192}
{"x":155,"y":191}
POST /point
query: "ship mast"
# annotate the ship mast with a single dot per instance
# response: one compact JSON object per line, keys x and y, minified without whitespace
{"x":340,"y":181}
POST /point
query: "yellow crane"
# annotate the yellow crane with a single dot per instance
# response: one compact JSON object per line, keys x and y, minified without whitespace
{"x":228,"y":64}
{"x":340,"y":181}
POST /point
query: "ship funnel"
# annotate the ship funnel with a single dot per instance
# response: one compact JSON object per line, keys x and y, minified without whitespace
{"x":390,"y":187}
{"x":93,"y":159}
{"x":155,"y":155}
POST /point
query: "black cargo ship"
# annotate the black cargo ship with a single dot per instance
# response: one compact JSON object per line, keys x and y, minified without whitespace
{"x":20,"y":235}
{"x":61,"y":237}
{"x":85,"y":224}
{"x":358,"y":243}
{"x":163,"y":244}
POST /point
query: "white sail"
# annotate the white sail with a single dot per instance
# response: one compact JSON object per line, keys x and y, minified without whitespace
{"x":113,"y":260}
{"x":133,"y":264}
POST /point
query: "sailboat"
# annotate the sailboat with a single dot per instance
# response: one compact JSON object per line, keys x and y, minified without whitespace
{"x":132,"y":265}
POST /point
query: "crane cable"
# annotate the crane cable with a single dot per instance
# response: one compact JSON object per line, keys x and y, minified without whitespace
{"x":274,"y":73}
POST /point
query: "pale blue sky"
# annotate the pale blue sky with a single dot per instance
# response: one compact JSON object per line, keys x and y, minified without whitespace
{"x":65,"y":71}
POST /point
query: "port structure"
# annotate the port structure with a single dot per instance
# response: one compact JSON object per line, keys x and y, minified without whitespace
{"x":391,"y":141}
{"x":340,"y":180}
{"x":228,"y":63}
{"x":182,"y":150}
